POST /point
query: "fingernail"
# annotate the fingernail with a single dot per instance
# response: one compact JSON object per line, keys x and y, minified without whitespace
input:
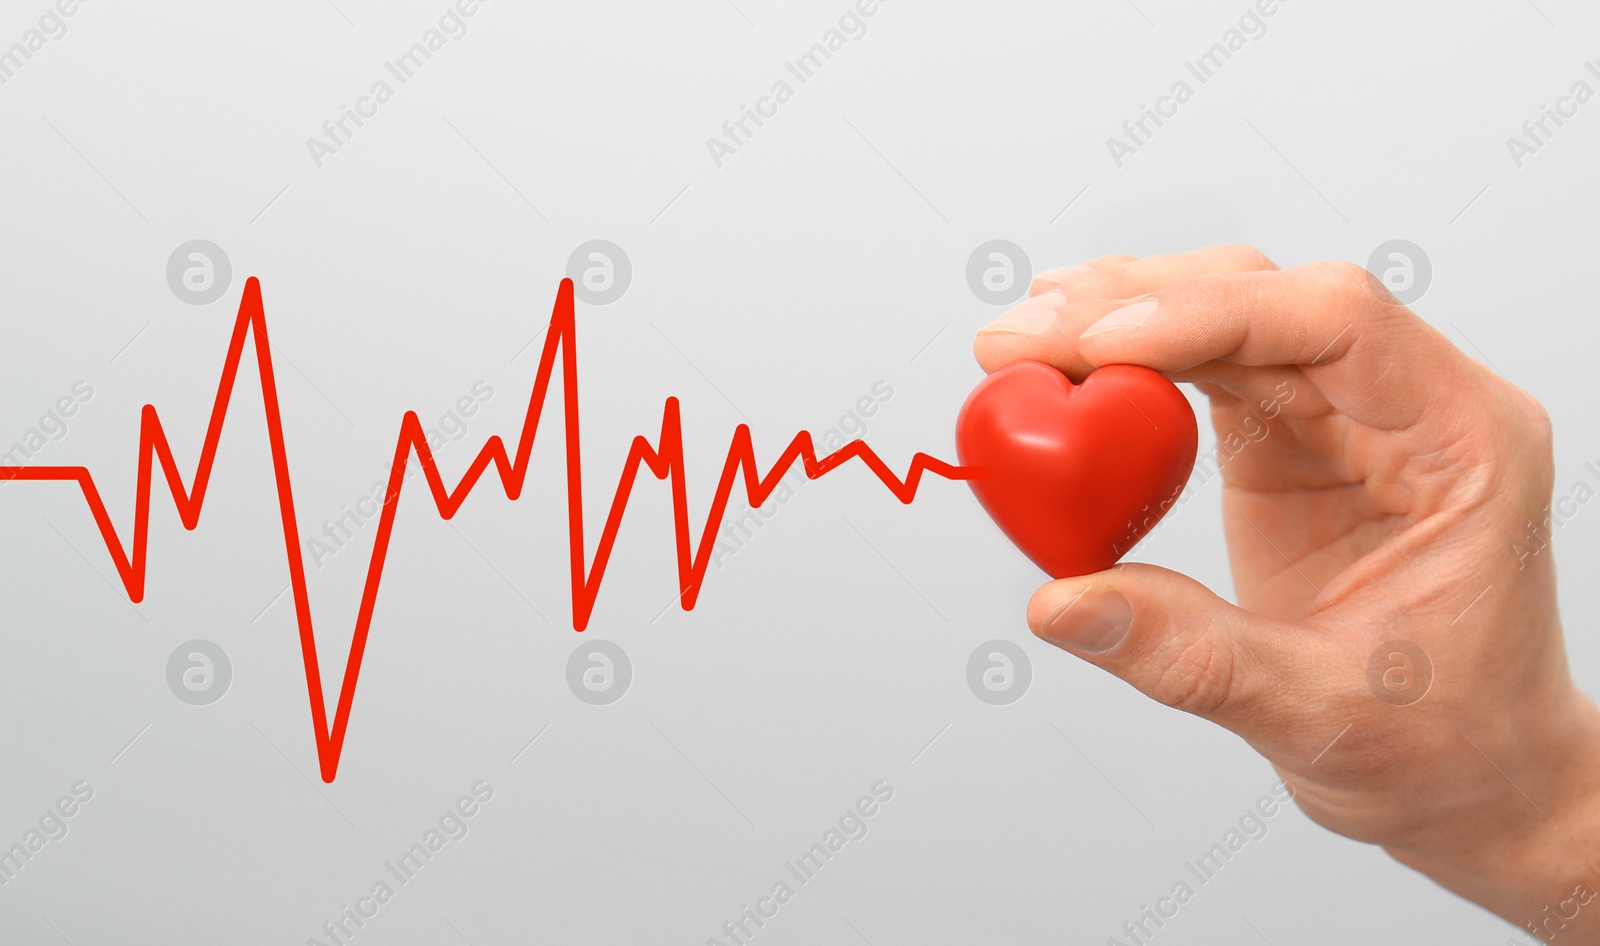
{"x":1029,"y":317}
{"x":1129,"y":316}
{"x":1093,"y":622}
{"x":1057,"y":277}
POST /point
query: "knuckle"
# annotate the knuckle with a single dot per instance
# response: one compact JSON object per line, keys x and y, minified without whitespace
{"x":1196,"y":677}
{"x":1352,"y":278}
{"x":1217,"y":289}
{"x":1219,"y":293}
{"x":1536,"y":419}
{"x":1119,"y":283}
{"x":1245,"y":257}
{"x":1515,"y":410}
{"x":1501,"y":445}
{"x":1533,"y":427}
{"x":1359,"y":293}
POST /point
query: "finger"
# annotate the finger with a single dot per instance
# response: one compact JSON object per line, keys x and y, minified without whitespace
{"x":1042,"y":331}
{"x":1126,"y":276}
{"x":1372,"y":358}
{"x":1050,"y":279}
{"x":1179,"y":644}
{"x":1266,"y":392}
{"x":1044,"y":328}
{"x":1047,"y":327}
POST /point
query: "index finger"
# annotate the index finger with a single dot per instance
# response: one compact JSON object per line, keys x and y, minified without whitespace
{"x":1373,"y":359}
{"x":1122,"y":277}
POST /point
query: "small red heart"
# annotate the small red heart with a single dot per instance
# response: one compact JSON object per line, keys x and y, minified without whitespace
{"x":1076,"y":474}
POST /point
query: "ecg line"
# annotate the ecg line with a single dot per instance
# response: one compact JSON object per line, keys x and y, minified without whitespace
{"x":664,"y":459}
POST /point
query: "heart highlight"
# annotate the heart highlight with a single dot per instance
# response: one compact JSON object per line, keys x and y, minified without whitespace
{"x":1077,"y":474}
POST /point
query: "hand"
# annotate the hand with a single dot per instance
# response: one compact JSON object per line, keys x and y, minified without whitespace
{"x":1389,"y":488}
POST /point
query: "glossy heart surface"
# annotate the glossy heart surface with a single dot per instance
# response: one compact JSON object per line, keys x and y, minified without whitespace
{"x":1076,"y":474}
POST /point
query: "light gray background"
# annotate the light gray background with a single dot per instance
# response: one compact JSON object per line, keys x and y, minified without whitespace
{"x":829,"y":652}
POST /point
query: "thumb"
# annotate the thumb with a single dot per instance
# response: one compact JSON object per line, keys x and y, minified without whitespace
{"x":1178,"y":643}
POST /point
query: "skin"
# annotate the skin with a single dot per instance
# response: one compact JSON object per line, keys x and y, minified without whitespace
{"x":1399,"y":494}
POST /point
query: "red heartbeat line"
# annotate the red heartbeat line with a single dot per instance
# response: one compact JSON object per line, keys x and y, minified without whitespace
{"x":664,"y":459}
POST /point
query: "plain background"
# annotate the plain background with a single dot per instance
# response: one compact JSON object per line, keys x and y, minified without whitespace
{"x":827,"y":254}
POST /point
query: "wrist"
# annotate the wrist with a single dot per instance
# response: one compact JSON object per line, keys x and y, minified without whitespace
{"x":1529,"y":849}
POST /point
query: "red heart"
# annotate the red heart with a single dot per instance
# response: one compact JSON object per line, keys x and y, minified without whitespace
{"x":1076,"y":474}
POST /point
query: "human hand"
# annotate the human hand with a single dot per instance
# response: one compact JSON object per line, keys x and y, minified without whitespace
{"x":1398,"y":492}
